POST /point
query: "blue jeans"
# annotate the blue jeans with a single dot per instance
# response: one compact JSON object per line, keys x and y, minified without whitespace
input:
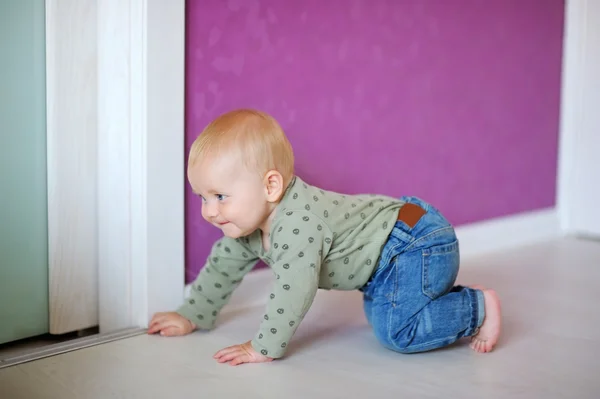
{"x":411,"y":301}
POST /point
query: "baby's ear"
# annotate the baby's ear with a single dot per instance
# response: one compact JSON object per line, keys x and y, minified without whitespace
{"x":273,"y":182}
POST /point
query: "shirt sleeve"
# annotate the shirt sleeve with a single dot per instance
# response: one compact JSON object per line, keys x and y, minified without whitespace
{"x":300,"y":239}
{"x":228,"y":263}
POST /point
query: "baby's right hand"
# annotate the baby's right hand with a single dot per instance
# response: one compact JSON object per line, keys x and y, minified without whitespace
{"x":170,"y":324}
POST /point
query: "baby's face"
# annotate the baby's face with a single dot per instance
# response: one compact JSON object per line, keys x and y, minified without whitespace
{"x":233,"y":197}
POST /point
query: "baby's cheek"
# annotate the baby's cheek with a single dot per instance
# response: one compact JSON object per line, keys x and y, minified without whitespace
{"x":229,"y":211}
{"x":239,"y":210}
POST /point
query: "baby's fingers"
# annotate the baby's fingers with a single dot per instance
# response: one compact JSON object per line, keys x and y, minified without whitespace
{"x":157,"y":318}
{"x":159,"y":326}
{"x":171,"y":331}
{"x":226,"y":351}
{"x":238,"y":356}
{"x":153,"y":328}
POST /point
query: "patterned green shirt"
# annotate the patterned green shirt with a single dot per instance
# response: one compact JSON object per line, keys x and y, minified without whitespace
{"x":318,"y":239}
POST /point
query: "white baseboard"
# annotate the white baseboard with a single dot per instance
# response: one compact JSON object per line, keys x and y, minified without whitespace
{"x":508,"y":232}
{"x":475,"y":239}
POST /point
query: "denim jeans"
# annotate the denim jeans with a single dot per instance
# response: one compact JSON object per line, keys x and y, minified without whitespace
{"x":411,"y":301}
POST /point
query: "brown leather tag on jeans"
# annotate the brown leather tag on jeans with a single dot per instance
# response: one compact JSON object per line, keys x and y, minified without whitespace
{"x":411,"y":214}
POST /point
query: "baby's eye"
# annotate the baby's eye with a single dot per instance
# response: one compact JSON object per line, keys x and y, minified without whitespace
{"x":220,"y":197}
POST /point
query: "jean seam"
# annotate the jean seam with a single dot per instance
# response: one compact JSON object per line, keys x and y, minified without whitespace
{"x":393,"y":303}
{"x":419,"y":346}
{"x":424,"y":275}
{"x":441,"y":229}
{"x":381,"y":264}
{"x":480,"y":309}
{"x":476,"y":313}
{"x":395,"y":292}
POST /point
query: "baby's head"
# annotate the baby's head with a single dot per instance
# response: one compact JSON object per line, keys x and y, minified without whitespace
{"x":240,"y":165}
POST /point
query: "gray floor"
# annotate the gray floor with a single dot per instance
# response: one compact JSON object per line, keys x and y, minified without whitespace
{"x":549,"y":349}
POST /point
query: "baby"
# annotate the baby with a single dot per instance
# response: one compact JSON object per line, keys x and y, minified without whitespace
{"x":402,"y":254}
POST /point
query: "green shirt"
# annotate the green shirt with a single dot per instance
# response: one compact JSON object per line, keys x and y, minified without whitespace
{"x":318,"y":239}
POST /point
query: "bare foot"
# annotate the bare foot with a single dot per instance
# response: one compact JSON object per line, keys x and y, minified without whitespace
{"x":489,"y":331}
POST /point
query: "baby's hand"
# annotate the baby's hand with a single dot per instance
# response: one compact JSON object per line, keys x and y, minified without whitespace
{"x":239,"y":354}
{"x":170,"y":324}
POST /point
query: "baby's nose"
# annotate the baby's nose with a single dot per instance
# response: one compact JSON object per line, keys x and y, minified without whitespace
{"x":210,"y":210}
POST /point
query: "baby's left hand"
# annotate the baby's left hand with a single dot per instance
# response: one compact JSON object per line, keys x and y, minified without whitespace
{"x":239,"y":354}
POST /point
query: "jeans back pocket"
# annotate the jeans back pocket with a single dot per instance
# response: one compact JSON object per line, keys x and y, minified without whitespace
{"x":440,"y":268}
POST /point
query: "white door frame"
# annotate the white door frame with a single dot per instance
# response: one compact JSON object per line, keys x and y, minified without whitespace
{"x":578,"y":191}
{"x":133,"y":54}
{"x":140,"y":139}
{"x":141,"y":54}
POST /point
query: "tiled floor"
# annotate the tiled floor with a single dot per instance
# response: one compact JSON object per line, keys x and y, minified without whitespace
{"x":550,"y":347}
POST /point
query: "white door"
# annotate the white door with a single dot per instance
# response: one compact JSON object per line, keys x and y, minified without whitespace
{"x":579,"y":181}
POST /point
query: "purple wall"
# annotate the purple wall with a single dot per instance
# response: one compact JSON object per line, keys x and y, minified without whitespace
{"x":456,"y":101}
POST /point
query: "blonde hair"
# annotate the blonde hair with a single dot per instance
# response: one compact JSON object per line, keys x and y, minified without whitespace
{"x":256,"y":136}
